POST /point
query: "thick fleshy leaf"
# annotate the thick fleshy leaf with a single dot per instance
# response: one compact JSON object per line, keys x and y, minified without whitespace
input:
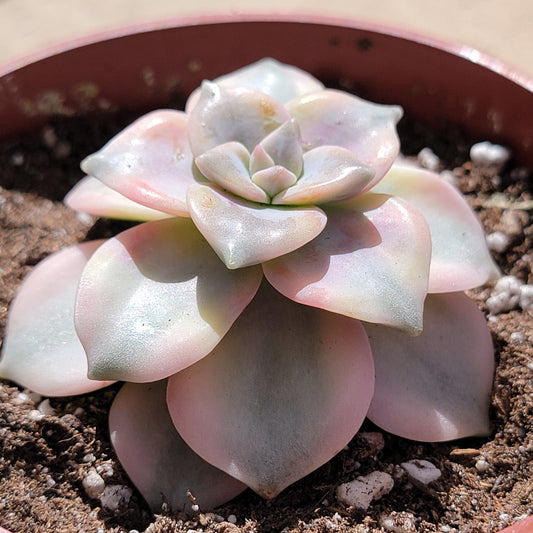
{"x":280,"y":81}
{"x":41,"y":350}
{"x":336,"y":118}
{"x":241,"y":115}
{"x":243,"y":233}
{"x":371,"y":262}
{"x":330,"y":174}
{"x":259,"y":160}
{"x":91,"y":196}
{"x":228,"y":166}
{"x":149,"y":162}
{"x":436,"y":386}
{"x":155,"y":299}
{"x":284,"y":392}
{"x":156,"y":458}
{"x":274,"y":179}
{"x":284,"y":146}
{"x":460,"y":258}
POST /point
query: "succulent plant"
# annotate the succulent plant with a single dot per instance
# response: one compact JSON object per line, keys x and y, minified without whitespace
{"x":288,"y":279}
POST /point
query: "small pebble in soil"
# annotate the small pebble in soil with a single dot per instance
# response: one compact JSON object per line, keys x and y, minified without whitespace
{"x":46,"y":409}
{"x":421,"y":470}
{"x":517,"y":337}
{"x":398,"y":522}
{"x":114,"y":496}
{"x":105,"y":470}
{"x":362,"y":491}
{"x":487,"y":154}
{"x":35,"y":415}
{"x":374,"y":439}
{"x":49,"y":137}
{"x":526,"y":297}
{"x":428,"y":159}
{"x":232,"y":519}
{"x":482,"y":465}
{"x":28,"y":396}
{"x":17,"y":159}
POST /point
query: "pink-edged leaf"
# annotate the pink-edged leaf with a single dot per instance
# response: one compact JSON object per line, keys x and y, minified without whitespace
{"x":91,"y":196}
{"x":243,"y":233}
{"x":228,"y":166}
{"x":156,"y":458}
{"x":155,"y":299}
{"x":280,"y":81}
{"x":149,"y":162}
{"x":371,"y":262}
{"x":436,"y":386}
{"x":283,"y":393}
{"x":330,"y":174}
{"x":460,"y":257}
{"x":41,"y":350}
{"x":240,"y":115}
{"x":336,"y":118}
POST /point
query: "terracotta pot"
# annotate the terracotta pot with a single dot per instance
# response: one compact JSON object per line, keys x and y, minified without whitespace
{"x":143,"y":66}
{"x":524,"y":526}
{"x":440,"y":83}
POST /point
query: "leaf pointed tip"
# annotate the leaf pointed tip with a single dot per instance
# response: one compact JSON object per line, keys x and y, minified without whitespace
{"x":90,"y":163}
{"x":267,"y":491}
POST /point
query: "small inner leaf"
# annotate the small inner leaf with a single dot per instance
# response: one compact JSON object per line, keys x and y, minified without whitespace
{"x":331,"y":174}
{"x":284,"y":146}
{"x":274,"y":179}
{"x":227,"y":165}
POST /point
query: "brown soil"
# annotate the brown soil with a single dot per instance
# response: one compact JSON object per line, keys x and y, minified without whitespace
{"x":43,"y":462}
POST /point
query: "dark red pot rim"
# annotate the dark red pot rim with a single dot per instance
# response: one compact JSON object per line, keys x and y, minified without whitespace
{"x":140,"y":66}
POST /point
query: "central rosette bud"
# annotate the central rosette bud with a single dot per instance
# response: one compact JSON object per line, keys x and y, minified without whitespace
{"x":274,"y":165}
{"x":248,"y":144}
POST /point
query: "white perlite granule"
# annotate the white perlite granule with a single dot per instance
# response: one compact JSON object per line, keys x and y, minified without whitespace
{"x":93,"y":484}
{"x":428,"y":159}
{"x":509,"y":293}
{"x":498,"y":241}
{"x":489,"y":155}
{"x":362,"y":491}
{"x":421,"y":470}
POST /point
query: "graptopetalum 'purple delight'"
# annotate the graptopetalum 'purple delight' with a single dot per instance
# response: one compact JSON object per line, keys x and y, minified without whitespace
{"x":288,"y":280}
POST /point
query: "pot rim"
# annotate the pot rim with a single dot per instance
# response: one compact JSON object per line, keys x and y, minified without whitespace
{"x":461,"y":50}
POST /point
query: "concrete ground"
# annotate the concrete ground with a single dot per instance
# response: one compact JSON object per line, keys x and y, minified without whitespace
{"x":500,"y":28}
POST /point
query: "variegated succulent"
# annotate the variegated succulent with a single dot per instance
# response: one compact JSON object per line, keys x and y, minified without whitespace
{"x":288,"y":280}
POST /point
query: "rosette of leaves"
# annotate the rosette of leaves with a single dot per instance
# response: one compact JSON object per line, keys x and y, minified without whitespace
{"x":287,"y":281}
